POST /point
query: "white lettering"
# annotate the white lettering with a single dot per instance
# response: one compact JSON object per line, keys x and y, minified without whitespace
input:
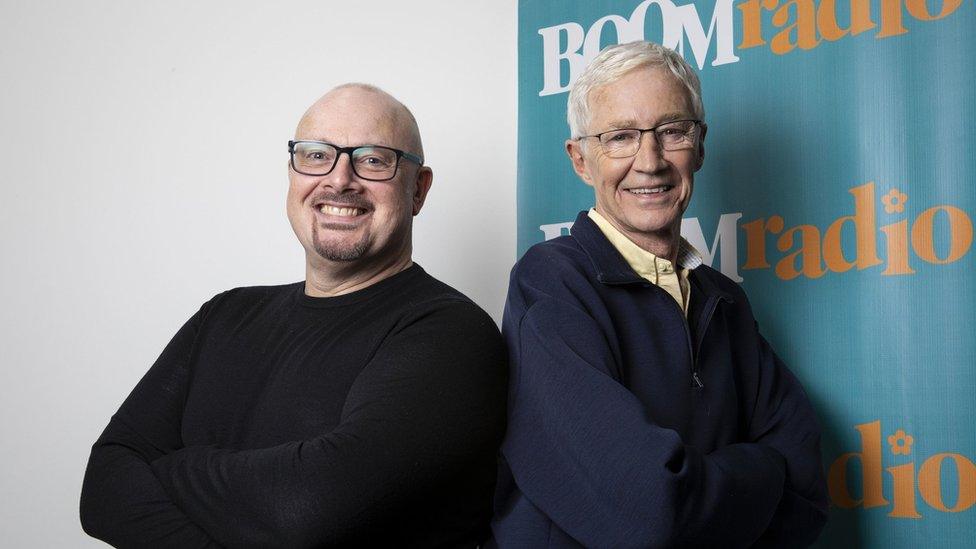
{"x":700,"y":41}
{"x":671,"y":33}
{"x":555,"y":229}
{"x":692,"y":231}
{"x":677,"y":22}
{"x":625,"y":33}
{"x":552,"y":57}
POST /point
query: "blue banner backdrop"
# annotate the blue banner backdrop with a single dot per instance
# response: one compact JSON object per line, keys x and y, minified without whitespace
{"x":839,"y":187}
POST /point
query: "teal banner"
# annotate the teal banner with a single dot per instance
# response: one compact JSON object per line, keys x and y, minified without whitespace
{"x":839,"y":189}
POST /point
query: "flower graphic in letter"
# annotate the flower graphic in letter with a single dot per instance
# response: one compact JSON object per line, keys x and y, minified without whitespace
{"x":901,"y":443}
{"x":894,"y":201}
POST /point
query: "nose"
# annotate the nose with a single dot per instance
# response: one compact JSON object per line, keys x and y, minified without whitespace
{"x":650,"y":155}
{"x":342,"y":176}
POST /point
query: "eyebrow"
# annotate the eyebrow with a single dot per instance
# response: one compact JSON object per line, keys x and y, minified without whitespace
{"x":622,"y":124}
{"x":331,"y":142}
{"x":630,"y":123}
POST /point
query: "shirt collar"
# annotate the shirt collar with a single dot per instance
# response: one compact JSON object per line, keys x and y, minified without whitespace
{"x":640,"y":260}
{"x":612,"y":269}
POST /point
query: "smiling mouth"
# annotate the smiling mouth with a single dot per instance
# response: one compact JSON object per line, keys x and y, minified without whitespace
{"x":339,"y":211}
{"x":651,"y":190}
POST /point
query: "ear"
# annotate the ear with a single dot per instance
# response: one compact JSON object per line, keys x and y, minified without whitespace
{"x":425,"y":177}
{"x":701,"y":147}
{"x":574,"y":149}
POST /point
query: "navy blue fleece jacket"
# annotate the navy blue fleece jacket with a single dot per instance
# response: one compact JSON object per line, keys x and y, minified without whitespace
{"x":630,"y":426}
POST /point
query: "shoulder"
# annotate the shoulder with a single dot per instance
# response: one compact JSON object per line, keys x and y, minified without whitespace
{"x":244,"y":299}
{"x":420,"y":287}
{"x":559,"y":259}
{"x":562,"y":250}
{"x":438,"y":333}
{"x":425,"y":299}
{"x":420,"y":290}
{"x":553,"y":282}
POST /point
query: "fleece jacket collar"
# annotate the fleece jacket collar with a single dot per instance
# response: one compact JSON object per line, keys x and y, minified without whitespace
{"x":613,"y":270}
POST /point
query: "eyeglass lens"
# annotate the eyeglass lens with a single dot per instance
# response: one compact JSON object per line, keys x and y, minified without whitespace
{"x":369,"y":162}
{"x":673,"y":136}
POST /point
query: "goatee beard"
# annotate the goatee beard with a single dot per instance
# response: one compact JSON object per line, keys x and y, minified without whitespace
{"x":339,"y":252}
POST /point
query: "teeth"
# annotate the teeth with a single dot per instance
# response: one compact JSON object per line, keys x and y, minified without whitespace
{"x":655,"y":190}
{"x":341,"y":212}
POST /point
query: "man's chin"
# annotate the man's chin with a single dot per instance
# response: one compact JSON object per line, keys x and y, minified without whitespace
{"x":334,"y":251}
{"x":654,"y":222}
{"x":337,"y":244}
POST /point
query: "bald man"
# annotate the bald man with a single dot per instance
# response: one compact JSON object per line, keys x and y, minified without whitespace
{"x":362,"y":406}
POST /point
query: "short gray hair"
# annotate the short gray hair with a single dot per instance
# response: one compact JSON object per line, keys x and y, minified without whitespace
{"x":614,"y":63}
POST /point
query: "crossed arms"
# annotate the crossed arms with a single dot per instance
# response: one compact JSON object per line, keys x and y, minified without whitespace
{"x":583,"y":450}
{"x":414,"y":417}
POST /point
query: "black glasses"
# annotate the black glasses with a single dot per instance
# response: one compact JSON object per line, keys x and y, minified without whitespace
{"x":370,"y":162}
{"x":676,"y":135}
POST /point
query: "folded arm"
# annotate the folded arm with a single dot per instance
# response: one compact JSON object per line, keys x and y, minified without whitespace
{"x":122,"y":502}
{"x":583,"y":450}
{"x":783,"y":419}
{"x":428,"y":404}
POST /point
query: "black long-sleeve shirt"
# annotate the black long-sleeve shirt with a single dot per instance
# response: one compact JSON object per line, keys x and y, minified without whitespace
{"x":276,"y":419}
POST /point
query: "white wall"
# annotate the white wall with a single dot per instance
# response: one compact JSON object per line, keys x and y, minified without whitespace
{"x":143,"y":156}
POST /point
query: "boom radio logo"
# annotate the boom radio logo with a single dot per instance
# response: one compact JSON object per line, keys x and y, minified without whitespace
{"x":946,"y":481}
{"x":891,"y":241}
{"x":782,"y":26}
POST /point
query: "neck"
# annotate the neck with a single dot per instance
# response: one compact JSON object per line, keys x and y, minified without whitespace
{"x":324,"y":278}
{"x":663,"y":245}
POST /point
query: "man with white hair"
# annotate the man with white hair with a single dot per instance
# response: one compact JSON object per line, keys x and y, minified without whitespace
{"x":360,"y":407}
{"x":645,"y":409}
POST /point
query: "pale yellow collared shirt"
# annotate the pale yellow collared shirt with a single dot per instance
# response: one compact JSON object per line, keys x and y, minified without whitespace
{"x":656,"y":270}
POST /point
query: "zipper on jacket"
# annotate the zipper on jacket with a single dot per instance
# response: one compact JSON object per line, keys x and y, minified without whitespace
{"x":710,"y":307}
{"x":695,"y":380}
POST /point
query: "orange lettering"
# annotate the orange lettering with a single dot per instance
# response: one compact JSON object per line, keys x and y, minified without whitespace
{"x":833,"y":252}
{"x":861,"y":16}
{"x":752,"y":23}
{"x":870,"y":458}
{"x":865,"y":238}
{"x":891,"y":19}
{"x":960,"y":234}
{"x":919,"y":10}
{"x":756,"y":241}
{"x":805,"y":25}
{"x":904,"y":477}
{"x":897,"y":248}
{"x":930,"y":482}
{"x":827,"y":19}
{"x":809,"y":253}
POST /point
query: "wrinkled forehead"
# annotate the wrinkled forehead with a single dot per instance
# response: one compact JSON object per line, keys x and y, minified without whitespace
{"x":355,"y":117}
{"x":648,"y":90}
